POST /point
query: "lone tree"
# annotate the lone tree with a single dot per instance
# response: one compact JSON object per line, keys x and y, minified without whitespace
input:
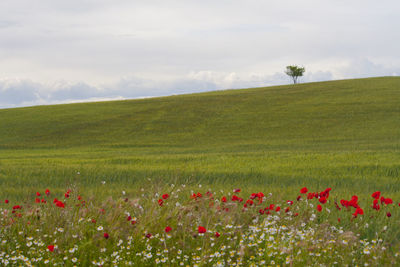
{"x":295,"y":72}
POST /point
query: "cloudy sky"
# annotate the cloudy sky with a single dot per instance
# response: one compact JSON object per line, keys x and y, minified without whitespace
{"x":58,"y":51}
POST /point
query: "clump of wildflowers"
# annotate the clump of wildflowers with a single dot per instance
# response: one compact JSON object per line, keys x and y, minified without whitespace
{"x":198,"y":228}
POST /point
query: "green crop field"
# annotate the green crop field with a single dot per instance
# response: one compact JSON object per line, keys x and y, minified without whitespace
{"x":343,"y":134}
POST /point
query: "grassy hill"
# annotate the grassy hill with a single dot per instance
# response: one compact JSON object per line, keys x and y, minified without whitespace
{"x":349,"y":114}
{"x":336,"y":133}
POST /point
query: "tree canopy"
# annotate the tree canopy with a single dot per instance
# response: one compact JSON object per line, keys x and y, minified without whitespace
{"x":295,"y":72}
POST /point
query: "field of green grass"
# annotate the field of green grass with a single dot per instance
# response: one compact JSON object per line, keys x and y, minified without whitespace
{"x":342,"y":134}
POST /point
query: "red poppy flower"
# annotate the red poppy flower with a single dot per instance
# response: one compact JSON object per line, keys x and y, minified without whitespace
{"x":43,"y":200}
{"x":165,"y":196}
{"x":223,"y":199}
{"x":236,"y":190}
{"x":168,"y":229}
{"x":37,"y":200}
{"x":47,"y":192}
{"x":389,"y":214}
{"x":60,"y":204}
{"x":79,"y":197}
{"x":325,"y":193}
{"x":201,"y":230}
{"x":129,"y":218}
{"x":261,"y":211}
{"x":319,"y":208}
{"x":160,"y":202}
{"x":304,"y":190}
{"x":6,"y":201}
{"x":290,"y":202}
{"x":235,"y":198}
{"x":296,"y":214}
{"x":310,"y":195}
{"x":50,"y":248}
{"x":17,"y":207}
{"x":106,"y":235}
{"x":148,"y":235}
{"x":298,"y":198}
{"x":66,"y":195}
{"x":376,"y":194}
{"x":388,"y":201}
{"x":278,"y":209}
{"x":217,"y":234}
{"x":354,"y":202}
{"x":287,"y":209}
{"x":344,"y":203}
{"x":133,"y":222}
{"x":359,"y":211}
{"x":38,"y":194}
{"x":55,"y":200}
{"x":249,"y":202}
{"x":376,"y":206}
{"x":93,"y":221}
{"x":253,"y":195}
{"x":322,"y":200}
{"x":195,"y":196}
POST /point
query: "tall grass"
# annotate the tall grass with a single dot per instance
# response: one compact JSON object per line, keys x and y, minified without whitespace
{"x":198,"y":226}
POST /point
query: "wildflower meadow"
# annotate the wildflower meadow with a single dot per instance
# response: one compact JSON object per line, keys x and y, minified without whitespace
{"x":180,"y":226}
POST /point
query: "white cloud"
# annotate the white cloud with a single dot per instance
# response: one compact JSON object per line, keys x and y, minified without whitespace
{"x":100,"y":48}
{"x":363,"y":67}
{"x":15,"y":93}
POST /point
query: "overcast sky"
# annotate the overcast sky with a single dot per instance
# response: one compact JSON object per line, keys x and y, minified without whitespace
{"x":58,"y":51}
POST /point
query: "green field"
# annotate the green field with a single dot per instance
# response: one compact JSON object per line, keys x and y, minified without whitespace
{"x":343,"y":134}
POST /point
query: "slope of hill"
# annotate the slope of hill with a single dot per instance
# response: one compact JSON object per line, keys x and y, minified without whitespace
{"x":346,"y":114}
{"x":337,"y":134}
